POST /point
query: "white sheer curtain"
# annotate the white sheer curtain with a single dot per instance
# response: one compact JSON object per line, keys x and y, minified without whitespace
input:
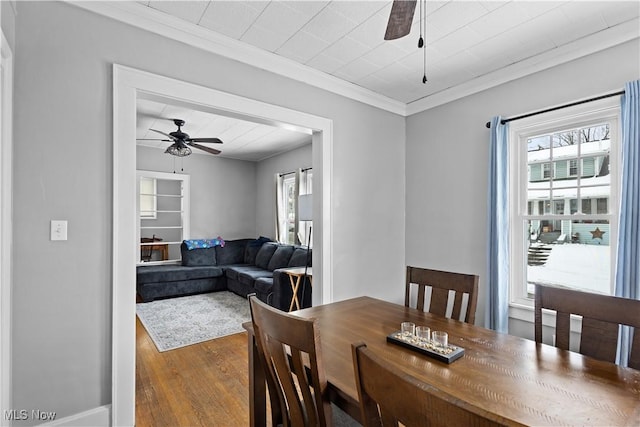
{"x":305,"y":187}
{"x":281,"y":209}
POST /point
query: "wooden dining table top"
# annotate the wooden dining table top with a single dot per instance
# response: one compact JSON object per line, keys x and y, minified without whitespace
{"x":515,"y":378}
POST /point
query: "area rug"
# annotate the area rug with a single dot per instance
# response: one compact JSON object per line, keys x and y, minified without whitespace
{"x":178,"y":322}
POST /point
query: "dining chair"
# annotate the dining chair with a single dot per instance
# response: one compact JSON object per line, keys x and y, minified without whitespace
{"x":388,"y":396}
{"x":601,"y":316}
{"x":441,"y":283}
{"x":289,"y":349}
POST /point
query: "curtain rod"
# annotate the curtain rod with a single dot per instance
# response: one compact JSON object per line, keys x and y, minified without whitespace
{"x":289,"y":173}
{"x":535,"y":113}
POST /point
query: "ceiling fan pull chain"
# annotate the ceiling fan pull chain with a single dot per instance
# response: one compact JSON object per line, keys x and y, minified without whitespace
{"x":420,"y":40}
{"x":423,"y":30}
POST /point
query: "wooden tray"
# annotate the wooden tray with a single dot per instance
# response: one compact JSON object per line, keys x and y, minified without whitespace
{"x":450,"y":354}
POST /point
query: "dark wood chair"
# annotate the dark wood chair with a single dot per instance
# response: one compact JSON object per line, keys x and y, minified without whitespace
{"x":441,"y":282}
{"x":387,"y":396}
{"x":289,"y":349}
{"x":601,"y":316}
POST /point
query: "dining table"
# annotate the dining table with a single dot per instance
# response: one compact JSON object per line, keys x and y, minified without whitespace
{"x":524,"y":382}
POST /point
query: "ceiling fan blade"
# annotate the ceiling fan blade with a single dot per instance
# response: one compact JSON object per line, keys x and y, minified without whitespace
{"x":165,"y":134}
{"x":204,"y":148}
{"x":210,"y":140}
{"x":400,"y":19}
{"x":153,"y":139}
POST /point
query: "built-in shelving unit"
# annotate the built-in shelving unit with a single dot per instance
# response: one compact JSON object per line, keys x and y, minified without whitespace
{"x":163,"y":216}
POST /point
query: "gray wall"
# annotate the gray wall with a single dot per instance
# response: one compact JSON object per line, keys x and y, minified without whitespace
{"x":447,"y":159}
{"x":63,"y":170}
{"x":266,"y":185}
{"x":223,"y":191}
{"x":8,"y":22}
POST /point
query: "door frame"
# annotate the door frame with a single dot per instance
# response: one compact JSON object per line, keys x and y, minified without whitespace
{"x":128,"y":84}
{"x":6,"y":221}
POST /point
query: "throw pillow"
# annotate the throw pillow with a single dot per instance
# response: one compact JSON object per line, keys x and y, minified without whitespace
{"x":280,"y":257}
{"x":264,"y":255}
{"x":252,"y":249}
{"x":299,"y":258}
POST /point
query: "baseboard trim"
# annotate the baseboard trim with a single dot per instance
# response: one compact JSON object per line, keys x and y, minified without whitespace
{"x":97,"y":417}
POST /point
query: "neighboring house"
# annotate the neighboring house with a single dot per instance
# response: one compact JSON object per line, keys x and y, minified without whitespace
{"x":565,"y":168}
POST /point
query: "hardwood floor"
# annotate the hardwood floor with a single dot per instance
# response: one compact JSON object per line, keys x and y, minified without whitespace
{"x":200,"y":385}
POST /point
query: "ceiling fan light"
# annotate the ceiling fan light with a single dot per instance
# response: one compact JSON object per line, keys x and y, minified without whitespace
{"x":179,"y":150}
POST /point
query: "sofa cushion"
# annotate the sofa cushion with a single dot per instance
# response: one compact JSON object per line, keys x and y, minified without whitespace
{"x":231,"y":271}
{"x":173,"y":273}
{"x":248,"y":275}
{"x":197,"y":257}
{"x":264,"y":255}
{"x":263,"y":285}
{"x":252,"y":249}
{"x":232,"y":252}
{"x":280,"y":257}
{"x":299,"y":258}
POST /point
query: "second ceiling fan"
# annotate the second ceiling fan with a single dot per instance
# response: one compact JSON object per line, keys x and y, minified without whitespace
{"x":181,"y":142}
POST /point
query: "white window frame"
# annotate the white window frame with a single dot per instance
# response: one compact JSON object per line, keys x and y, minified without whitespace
{"x":521,"y":305}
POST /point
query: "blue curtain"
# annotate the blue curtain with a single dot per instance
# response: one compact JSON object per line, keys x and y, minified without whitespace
{"x":627,"y":283}
{"x":497,"y":307}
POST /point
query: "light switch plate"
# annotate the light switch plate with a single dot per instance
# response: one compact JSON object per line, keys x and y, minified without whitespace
{"x":58,"y":229}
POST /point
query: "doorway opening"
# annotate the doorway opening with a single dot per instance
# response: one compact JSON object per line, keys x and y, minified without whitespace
{"x":128,"y":85}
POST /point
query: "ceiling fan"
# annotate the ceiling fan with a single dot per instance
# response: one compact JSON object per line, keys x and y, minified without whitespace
{"x":182,"y":141}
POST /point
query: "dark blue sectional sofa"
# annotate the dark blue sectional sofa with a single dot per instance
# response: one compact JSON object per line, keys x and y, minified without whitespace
{"x":242,"y":266}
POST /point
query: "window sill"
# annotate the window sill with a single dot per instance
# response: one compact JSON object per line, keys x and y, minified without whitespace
{"x":525,"y":313}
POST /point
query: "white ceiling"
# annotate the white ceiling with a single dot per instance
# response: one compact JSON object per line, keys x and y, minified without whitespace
{"x":339,"y":45}
{"x":465,"y":39}
{"x":242,"y":139}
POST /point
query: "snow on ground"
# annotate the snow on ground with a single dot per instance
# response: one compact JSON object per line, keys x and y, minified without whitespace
{"x":586,"y":267}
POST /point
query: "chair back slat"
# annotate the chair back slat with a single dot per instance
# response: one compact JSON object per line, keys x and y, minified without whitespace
{"x":290,"y":351}
{"x":601,"y":317}
{"x":441,"y":284}
{"x":563,"y":330}
{"x":389,"y":396}
{"x":603,"y":342}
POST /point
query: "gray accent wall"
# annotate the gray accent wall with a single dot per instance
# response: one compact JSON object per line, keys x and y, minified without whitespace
{"x":62,"y":290}
{"x":447,"y":157}
{"x":223,"y":191}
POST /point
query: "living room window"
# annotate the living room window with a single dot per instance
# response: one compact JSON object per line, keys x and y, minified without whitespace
{"x":290,"y":186}
{"x":556,"y":237}
{"x":163,"y":216}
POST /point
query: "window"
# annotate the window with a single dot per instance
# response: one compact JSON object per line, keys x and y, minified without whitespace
{"x":573,"y":167}
{"x":289,"y":194}
{"x":148,"y":205}
{"x":577,"y":238}
{"x":290,"y":186}
{"x":163,"y":221}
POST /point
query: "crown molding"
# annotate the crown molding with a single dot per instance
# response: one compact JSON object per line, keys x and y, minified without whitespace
{"x":588,"y":45}
{"x":160,"y":23}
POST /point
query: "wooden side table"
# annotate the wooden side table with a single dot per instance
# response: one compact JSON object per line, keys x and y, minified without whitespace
{"x":295,"y":277}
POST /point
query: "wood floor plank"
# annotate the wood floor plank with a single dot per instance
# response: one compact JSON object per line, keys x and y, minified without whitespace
{"x":204,"y":384}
